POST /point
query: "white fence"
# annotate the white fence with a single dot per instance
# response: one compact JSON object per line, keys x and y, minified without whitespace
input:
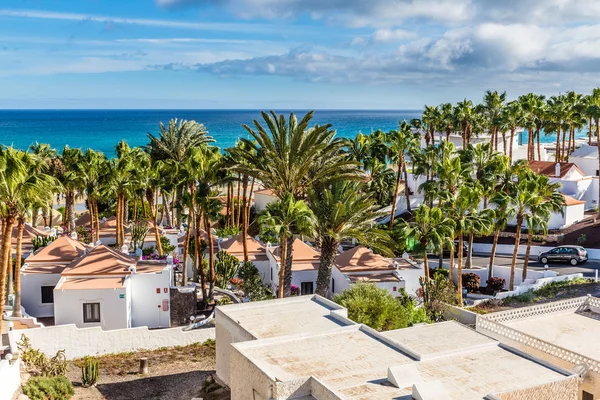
{"x":507,"y":249}
{"x":94,"y":341}
{"x":10,"y":379}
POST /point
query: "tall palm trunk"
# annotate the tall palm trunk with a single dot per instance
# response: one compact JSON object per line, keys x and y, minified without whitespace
{"x":186,"y":249}
{"x":504,"y":142}
{"x":211,"y":258}
{"x":406,"y":189}
{"x":564,"y":143}
{"x":237,"y":215}
{"x":118,"y":216}
{"x":597,"y":121}
{"x":97,"y":220}
{"x":6,"y":260}
{"x":199,"y":256}
{"x":427,"y":278}
{"x":459,"y":270}
{"x":590,"y":133}
{"x":173,"y":216}
{"x":493,"y":255}
{"x":282,"y":263}
{"x":527,"y":251}
{"x":329,"y":248}
{"x":451,"y":275}
{"x":396,"y":193}
{"x":135,"y":209}
{"x":17,"y":284}
{"x":51,"y":212}
{"x":557,"y":152}
{"x":510,"y":150}
{"x":287,"y":280}
{"x":515,"y":252}
{"x":539,"y":147}
{"x":154,"y":214}
{"x":249,"y":205}
{"x":469,"y":262}
{"x":244,"y":218}
{"x":166,"y":210}
{"x":70,"y":210}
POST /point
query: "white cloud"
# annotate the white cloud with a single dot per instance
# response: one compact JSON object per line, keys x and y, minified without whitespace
{"x":386,"y":35}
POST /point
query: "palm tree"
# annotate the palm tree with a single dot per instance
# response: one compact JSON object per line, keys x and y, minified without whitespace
{"x":464,"y":114}
{"x":430,"y":227}
{"x":547,"y":200}
{"x":174,"y":142}
{"x":432,"y":119}
{"x":493,"y":104}
{"x":448,"y":120}
{"x":557,"y":114}
{"x":285,"y":218}
{"x":512,"y":119}
{"x":22,"y":183}
{"x":93,"y":164}
{"x":531,"y":106}
{"x":575,"y":120}
{"x":402,"y":142}
{"x":343,"y":210}
{"x":72,"y":181}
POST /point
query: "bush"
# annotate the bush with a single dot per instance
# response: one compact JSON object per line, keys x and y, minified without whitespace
{"x":495,"y":283}
{"x":224,"y":301}
{"x":41,"y":241}
{"x":38,"y":363}
{"x":146,"y":251}
{"x":167,"y":247}
{"x":375,"y":307}
{"x":90,"y":371}
{"x":471,"y":281}
{"x":582,"y":239}
{"x":48,"y":388}
{"x":443,"y":272}
{"x":139,"y":231}
{"x":441,"y":293}
{"x":252,"y":285}
{"x":226,"y":267}
{"x":295,"y":290}
{"x":229,"y":231}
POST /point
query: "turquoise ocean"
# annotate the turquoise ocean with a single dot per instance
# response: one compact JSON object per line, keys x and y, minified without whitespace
{"x":103,"y":129}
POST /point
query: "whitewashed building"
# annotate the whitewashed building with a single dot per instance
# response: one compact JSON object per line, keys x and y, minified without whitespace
{"x":263,"y":197}
{"x":257,"y":252}
{"x":305,"y":266}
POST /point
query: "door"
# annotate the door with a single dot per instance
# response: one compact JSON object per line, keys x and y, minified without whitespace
{"x":306,"y":288}
{"x":553,"y":255}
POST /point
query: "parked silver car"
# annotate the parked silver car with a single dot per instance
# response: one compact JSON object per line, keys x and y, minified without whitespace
{"x":568,"y":254}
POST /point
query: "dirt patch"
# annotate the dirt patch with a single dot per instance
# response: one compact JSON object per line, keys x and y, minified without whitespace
{"x":174,"y":373}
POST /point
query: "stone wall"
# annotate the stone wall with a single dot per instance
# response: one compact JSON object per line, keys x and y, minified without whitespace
{"x":183,"y":306}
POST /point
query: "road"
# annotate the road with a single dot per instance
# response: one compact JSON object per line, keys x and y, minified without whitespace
{"x":588,"y":269}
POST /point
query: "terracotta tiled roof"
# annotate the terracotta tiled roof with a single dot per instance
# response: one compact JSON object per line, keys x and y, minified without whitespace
{"x":305,"y":258}
{"x":62,"y":250}
{"x":103,"y":260}
{"x":109,"y":223}
{"x":235,"y":245}
{"x":360,"y":259}
{"x":90,"y":283}
{"x":386,"y":277}
{"x":83,"y":220}
{"x":548,"y":168}
{"x":266,"y":192}
{"x":570,"y":201}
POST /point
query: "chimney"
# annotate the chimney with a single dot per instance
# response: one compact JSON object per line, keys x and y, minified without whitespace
{"x":125,"y":249}
{"x":557,"y":170}
{"x":74,"y":235}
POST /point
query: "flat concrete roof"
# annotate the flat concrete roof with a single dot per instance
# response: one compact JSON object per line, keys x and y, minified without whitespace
{"x":281,"y":317}
{"x":441,"y":338}
{"x":575,"y":331}
{"x":353,"y":361}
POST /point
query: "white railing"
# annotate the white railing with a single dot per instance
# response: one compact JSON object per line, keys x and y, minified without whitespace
{"x":541,"y":309}
{"x":486,"y":325}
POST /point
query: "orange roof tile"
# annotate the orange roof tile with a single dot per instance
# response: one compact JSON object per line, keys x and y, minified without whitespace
{"x":83,"y":220}
{"x":62,"y":250}
{"x":91,"y":283}
{"x":360,"y":259}
{"x":548,"y":168}
{"x":266,"y":192}
{"x":570,"y":201}
{"x":235,"y":245}
{"x":388,"y":277}
{"x":304,"y":256}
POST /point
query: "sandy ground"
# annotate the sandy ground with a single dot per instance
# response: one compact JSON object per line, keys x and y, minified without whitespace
{"x":177,"y":373}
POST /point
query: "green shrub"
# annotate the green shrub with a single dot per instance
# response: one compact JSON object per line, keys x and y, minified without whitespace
{"x":375,"y":307}
{"x":229,"y":231}
{"x":48,"y":388}
{"x":252,"y":285}
{"x":224,"y":300}
{"x":441,"y":293}
{"x":41,"y":241}
{"x":90,"y":371}
{"x":139,"y":231}
{"x":37,"y":363}
{"x":167,"y":247}
{"x":146,"y":251}
{"x":226,"y":267}
{"x":582,"y":239}
{"x":471,"y":281}
{"x":443,"y":272}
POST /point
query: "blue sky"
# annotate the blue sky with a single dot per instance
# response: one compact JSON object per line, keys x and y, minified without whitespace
{"x":377,"y":54}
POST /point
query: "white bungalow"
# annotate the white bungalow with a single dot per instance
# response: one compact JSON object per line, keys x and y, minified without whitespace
{"x":257,"y":252}
{"x":113,"y":290}
{"x":42,"y":271}
{"x":360,"y":264}
{"x":305,"y":266}
{"x":263,"y":197}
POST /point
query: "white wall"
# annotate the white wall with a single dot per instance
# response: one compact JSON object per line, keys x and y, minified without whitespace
{"x":341,"y":281}
{"x":94,"y":341}
{"x":146,"y":304}
{"x":261,"y":200}
{"x":411,"y":279}
{"x":588,"y":165}
{"x":10,"y":378}
{"x":591,"y":195}
{"x":68,"y":307}
{"x":31,"y":293}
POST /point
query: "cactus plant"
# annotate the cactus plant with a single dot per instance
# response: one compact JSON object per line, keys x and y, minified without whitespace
{"x":139,"y":231}
{"x":90,"y":371}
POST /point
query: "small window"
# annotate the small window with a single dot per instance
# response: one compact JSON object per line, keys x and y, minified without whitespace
{"x":47,"y":294}
{"x":332,"y":285}
{"x":306,"y":288}
{"x":91,"y":312}
{"x":597,"y":172}
{"x":587,"y":396}
{"x":271,"y":274}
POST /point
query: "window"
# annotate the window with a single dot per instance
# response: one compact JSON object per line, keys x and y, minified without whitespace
{"x":306,"y":288}
{"x":597,"y":172}
{"x":271,"y":274}
{"x":47,"y":294}
{"x":332,"y":285}
{"x":587,"y":396}
{"x":91,"y":312}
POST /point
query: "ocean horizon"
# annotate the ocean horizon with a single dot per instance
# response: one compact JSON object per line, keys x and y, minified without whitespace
{"x":102,"y":129}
